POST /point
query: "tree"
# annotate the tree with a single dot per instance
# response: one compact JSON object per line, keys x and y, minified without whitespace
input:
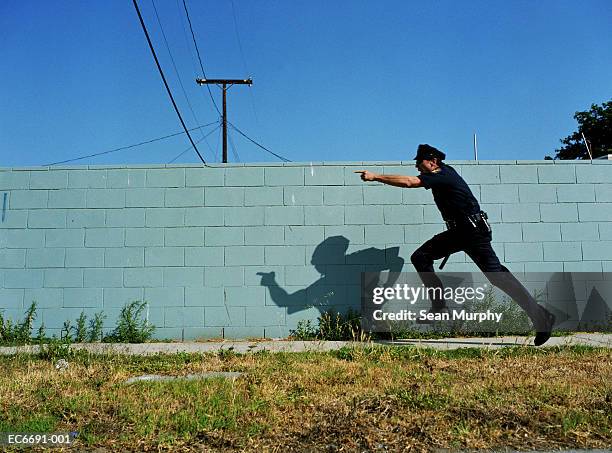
{"x":596,"y":125}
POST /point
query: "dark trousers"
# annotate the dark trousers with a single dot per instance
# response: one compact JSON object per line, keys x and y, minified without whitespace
{"x":477,"y":245}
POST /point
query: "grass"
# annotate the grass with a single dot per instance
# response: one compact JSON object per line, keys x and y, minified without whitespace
{"x":355,"y":399}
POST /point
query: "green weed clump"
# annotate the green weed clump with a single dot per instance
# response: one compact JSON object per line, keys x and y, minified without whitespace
{"x":331,"y":326}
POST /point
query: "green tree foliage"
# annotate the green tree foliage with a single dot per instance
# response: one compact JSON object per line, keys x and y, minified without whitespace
{"x":596,"y":125}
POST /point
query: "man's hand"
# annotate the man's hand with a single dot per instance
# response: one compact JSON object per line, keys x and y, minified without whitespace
{"x":367,"y":175}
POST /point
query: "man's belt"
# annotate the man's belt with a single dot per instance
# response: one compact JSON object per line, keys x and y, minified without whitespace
{"x":474,"y":220}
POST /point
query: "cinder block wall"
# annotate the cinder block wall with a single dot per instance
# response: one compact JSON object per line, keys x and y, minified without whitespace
{"x":191,"y":240}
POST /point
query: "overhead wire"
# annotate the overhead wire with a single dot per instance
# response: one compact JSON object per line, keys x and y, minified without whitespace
{"x":129,"y":146}
{"x":187,"y":149}
{"x":161,"y":72}
{"x":284,"y":159}
{"x":161,"y":27}
{"x":234,"y":150}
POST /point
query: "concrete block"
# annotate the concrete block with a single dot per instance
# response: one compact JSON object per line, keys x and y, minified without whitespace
{"x":140,"y":237}
{"x":600,"y":250}
{"x":404,"y":215}
{"x":29,"y":199}
{"x":184,"y":237}
{"x":329,"y":254}
{"x":22,"y":239}
{"x":324,"y":215}
{"x":164,"y":256}
{"x":381,"y":195}
{"x":534,"y":193}
{"x":522,"y":212}
{"x":102,"y":278}
{"x":83,"y":297}
{"x":481,"y":174}
{"x":556,"y":174}
{"x":44,"y":297}
{"x":184,"y":317}
{"x":562,"y":251}
{"x":63,"y":278}
{"x":224,"y":316}
{"x":204,"y":217}
{"x":324,"y":176}
{"x":264,"y":196}
{"x":363,"y":215}
{"x":575,"y":193}
{"x":284,"y":255}
{"x":593,"y":174}
{"x":224,"y":236}
{"x":224,"y":196}
{"x":71,"y":198}
{"x":540,"y":232}
{"x":202,"y":333}
{"x":119,"y":297}
{"x":284,"y":176}
{"x":183,"y":276}
{"x":87,"y":179}
{"x":144,"y":198}
{"x":518,"y":174}
{"x":84,"y":257}
{"x":303,"y":235}
{"x":418,"y":197}
{"x":544,"y":267}
{"x":284,"y":215}
{"x":124,"y":257}
{"x":248,"y":255}
{"x":354,"y":233}
{"x":166,"y":177}
{"x":264,"y":235}
{"x":85,"y":218}
{"x":43,"y":258}
{"x":559,"y":212}
{"x":200,"y":177}
{"x":104,"y":237}
{"x":147,"y":277}
{"x":131,"y":217}
{"x":215,"y":277}
{"x":164,"y":217}
{"x":125,"y":179}
{"x":244,"y":216}
{"x":494,"y":211}
{"x":342,"y":195}
{"x":583,"y":266}
{"x":595,"y":212}
{"x":47,"y":218}
{"x":603,"y":193}
{"x":252,"y":279}
{"x":68,"y":238}
{"x":431,"y":214}
{"x":303,"y":196}
{"x":265,"y":316}
{"x":354,"y":179}
{"x":106,"y":198}
{"x":579,"y":232}
{"x":247,"y":176}
{"x":295,"y":300}
{"x":504,"y":193}
{"x":514,"y":252}
{"x":419,"y":233}
{"x":203,"y":297}
{"x":14,"y":219}
{"x":168,"y":333}
{"x":384,"y":234}
{"x":245,"y":296}
{"x":204,"y":256}
{"x":14,"y":180}
{"x":23,"y":278}
{"x":508,"y":232}
{"x":301,"y":275}
{"x":52,"y":179}
{"x":165,"y":297}
{"x":605,"y":231}
{"x":184,"y":197}
{"x":12,"y":258}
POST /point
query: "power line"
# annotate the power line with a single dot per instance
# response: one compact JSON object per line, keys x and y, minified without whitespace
{"x":234,"y":150}
{"x":254,"y":142}
{"x":161,"y":72}
{"x":129,"y":146}
{"x":187,"y":149}
{"x":161,"y":27}
{"x":199,"y":56}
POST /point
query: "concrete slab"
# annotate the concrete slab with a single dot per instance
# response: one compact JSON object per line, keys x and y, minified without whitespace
{"x":188,"y":377}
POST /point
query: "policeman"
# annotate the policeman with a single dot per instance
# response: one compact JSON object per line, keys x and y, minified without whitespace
{"x":467,"y":230}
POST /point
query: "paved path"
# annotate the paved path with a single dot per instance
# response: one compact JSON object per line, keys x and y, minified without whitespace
{"x":587,"y":339}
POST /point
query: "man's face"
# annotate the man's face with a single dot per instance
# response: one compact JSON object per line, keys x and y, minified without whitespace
{"x":426,"y":166}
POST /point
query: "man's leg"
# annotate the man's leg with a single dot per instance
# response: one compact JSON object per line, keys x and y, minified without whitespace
{"x":437,"y":247}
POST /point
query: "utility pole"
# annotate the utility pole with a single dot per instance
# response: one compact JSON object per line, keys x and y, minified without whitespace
{"x":224,"y":83}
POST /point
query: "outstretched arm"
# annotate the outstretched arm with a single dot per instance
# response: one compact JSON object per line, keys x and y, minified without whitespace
{"x":392,"y":180}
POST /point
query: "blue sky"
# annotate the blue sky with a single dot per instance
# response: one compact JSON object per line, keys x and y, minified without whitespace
{"x":347,"y":80}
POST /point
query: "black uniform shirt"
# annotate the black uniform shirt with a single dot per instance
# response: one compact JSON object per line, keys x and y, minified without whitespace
{"x":451,"y":193}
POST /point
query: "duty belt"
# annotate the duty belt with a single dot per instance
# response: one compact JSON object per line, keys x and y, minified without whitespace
{"x":473,"y":220}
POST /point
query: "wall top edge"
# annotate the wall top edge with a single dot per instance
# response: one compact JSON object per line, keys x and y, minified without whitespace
{"x":409,"y":163}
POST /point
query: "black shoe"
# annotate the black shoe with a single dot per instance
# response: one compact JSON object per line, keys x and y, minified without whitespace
{"x":434,"y":311}
{"x":542,"y":337}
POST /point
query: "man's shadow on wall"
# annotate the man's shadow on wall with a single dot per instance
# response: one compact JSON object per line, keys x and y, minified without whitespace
{"x":339,"y":287}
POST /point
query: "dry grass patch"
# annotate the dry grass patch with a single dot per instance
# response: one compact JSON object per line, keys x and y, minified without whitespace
{"x":399,"y":398}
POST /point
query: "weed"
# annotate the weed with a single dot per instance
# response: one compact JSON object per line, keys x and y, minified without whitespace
{"x":131,"y":328}
{"x":19,"y":333}
{"x":332,"y":326}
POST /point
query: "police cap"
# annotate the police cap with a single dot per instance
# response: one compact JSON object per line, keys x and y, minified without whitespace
{"x":427,"y":152}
